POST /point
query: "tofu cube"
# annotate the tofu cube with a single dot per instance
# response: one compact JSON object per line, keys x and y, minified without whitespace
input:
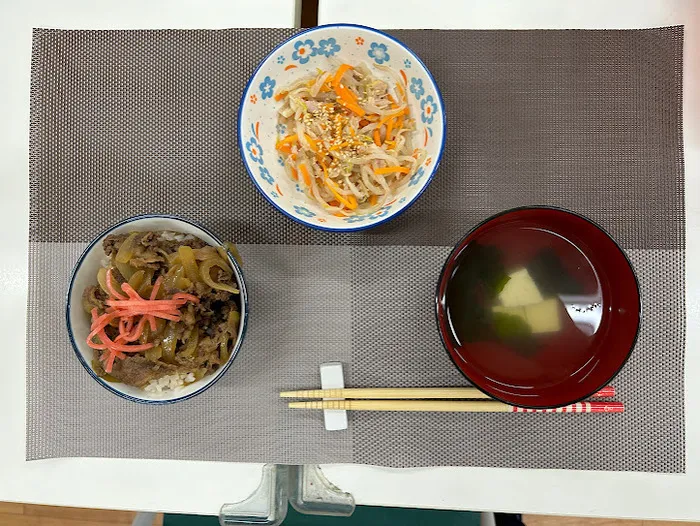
{"x":543,"y":317}
{"x":520,"y":290}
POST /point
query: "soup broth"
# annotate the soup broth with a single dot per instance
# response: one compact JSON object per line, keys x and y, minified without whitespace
{"x":524,"y":304}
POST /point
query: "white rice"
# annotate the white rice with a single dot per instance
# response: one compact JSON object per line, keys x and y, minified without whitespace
{"x":170,"y":382}
{"x":175,"y":236}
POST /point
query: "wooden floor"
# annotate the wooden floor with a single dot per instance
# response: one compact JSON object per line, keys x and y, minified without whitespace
{"x":12,"y":514}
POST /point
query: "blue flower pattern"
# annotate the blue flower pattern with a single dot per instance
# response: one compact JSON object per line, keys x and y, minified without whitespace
{"x":327,"y":48}
{"x":266,"y":87}
{"x":402,"y":200}
{"x":280,"y":161}
{"x":416,"y":177}
{"x":357,"y":219}
{"x":280,"y":59}
{"x":254,"y":150}
{"x":303,"y":211}
{"x":407,"y":64}
{"x":428,"y":109}
{"x":298,"y":189}
{"x":417,"y":88}
{"x":382,"y":211}
{"x":274,"y":194}
{"x":303,"y":50}
{"x":265,"y":174}
{"x":281,"y":129}
{"x":378,"y":52}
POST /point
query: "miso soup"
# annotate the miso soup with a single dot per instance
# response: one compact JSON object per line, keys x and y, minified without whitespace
{"x":524,"y":304}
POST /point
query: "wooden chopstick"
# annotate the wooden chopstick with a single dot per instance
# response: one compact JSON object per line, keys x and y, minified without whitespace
{"x":481,"y":406}
{"x":405,"y":393}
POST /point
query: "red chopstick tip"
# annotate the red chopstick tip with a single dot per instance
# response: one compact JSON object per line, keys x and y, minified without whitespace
{"x":580,"y":407}
{"x":606,"y":392}
{"x":611,"y":407}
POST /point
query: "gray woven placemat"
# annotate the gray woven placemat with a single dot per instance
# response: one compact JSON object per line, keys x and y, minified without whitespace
{"x":128,"y":122}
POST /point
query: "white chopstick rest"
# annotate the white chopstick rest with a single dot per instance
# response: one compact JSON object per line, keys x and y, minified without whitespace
{"x":332,"y":378}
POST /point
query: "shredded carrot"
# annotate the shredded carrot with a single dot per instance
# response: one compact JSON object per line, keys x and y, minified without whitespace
{"x":390,"y":116}
{"x":389,"y":129}
{"x":312,"y":143}
{"x":363,"y":123}
{"x":295,"y":174}
{"x":391,"y":169}
{"x":290,"y":139}
{"x":305,"y":174}
{"x":339,"y":146}
{"x":373,"y":199}
{"x":350,"y":202}
{"x":377,"y":138}
{"x":339,"y":74}
{"x":348,"y":100}
{"x":285,"y":148}
{"x":348,"y":94}
{"x":281,"y":95}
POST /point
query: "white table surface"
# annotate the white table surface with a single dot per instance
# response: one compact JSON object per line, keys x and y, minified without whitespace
{"x":102,"y":483}
{"x":610,"y":494}
{"x":129,"y":484}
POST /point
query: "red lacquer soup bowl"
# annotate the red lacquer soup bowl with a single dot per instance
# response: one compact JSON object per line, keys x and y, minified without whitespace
{"x":538,"y":307}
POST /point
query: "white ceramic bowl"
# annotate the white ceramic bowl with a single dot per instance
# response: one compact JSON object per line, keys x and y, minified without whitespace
{"x":85,"y":274}
{"x":299,"y":57}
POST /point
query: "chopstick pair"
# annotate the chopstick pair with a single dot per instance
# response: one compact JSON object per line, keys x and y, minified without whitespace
{"x":448,"y":399}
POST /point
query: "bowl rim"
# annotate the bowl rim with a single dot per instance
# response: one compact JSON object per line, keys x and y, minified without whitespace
{"x":434,"y":165}
{"x":244,"y":319}
{"x":460,"y":244}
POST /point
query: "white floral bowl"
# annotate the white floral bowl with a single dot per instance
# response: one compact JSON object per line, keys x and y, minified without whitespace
{"x":298,"y":57}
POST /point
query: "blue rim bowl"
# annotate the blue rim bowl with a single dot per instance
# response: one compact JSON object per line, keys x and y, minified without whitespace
{"x":84,"y":274}
{"x":247,"y":130}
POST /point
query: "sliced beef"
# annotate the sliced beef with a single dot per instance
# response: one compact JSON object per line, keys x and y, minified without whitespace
{"x":209,"y":316}
{"x":167,"y":241}
{"x":188,"y":316}
{"x":94,"y":297}
{"x":147,"y":260}
{"x":208,"y":352}
{"x":138,"y":371}
{"x":149,"y":244}
{"x":112,"y":242}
